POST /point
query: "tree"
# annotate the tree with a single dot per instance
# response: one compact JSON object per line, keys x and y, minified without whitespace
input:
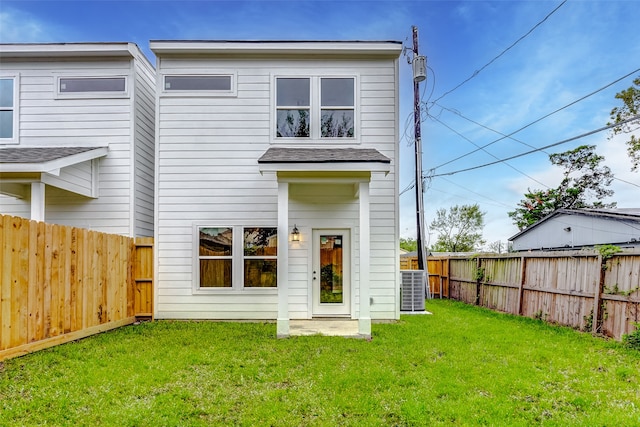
{"x":631,"y":107}
{"x":459,"y":229}
{"x":585,"y":178}
{"x":409,"y":244}
{"x":498,"y":247}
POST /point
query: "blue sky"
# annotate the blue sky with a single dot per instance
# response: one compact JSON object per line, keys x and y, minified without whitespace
{"x":582,"y":47}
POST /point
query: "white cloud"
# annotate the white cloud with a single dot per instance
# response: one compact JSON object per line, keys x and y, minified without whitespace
{"x":17,"y":26}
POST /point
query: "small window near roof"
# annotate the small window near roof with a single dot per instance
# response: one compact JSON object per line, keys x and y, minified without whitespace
{"x":194,"y":83}
{"x":92,"y":84}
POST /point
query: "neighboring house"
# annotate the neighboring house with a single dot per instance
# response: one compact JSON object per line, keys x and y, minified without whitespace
{"x":277,"y":181}
{"x":77,"y":129}
{"x":577,"y":228}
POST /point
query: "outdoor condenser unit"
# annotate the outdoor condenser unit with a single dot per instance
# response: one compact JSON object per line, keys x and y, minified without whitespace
{"x":412,"y":290}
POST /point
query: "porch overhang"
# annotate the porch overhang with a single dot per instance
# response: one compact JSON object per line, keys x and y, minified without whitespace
{"x":286,"y":159}
{"x":46,"y":159}
{"x":24,"y":171}
{"x":320,"y":166}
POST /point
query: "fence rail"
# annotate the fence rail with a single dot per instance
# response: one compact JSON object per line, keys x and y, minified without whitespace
{"x":579,"y":289}
{"x":61,"y":283}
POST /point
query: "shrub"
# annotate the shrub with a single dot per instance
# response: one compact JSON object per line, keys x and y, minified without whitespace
{"x":632,"y":340}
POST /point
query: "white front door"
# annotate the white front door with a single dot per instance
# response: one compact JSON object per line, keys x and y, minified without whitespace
{"x":331,"y":274}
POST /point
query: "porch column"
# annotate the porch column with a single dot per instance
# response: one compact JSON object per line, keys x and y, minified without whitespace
{"x":283,"y":260}
{"x":37,"y":201}
{"x":364,"y":320}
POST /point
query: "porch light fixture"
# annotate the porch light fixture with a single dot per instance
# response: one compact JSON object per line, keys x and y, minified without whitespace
{"x":295,"y":234}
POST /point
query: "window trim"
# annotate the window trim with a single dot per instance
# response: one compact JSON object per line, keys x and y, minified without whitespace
{"x":15,"y":138}
{"x":315,"y":112}
{"x":237,"y":259}
{"x":92,"y":95}
{"x":233,"y":92}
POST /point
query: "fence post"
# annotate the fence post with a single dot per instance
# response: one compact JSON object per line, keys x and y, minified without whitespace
{"x":523,"y":272}
{"x":479,"y":278}
{"x":596,"y":298}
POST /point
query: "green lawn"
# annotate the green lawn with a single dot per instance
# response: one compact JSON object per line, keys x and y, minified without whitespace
{"x":461,"y":366}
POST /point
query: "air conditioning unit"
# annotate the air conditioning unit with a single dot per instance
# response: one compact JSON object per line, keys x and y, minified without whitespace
{"x":412,"y":290}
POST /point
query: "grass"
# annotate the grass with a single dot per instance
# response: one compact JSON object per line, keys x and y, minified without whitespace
{"x":462,"y":366}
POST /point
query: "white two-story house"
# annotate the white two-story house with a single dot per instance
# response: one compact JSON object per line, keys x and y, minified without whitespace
{"x":277,"y":181}
{"x":77,"y":123}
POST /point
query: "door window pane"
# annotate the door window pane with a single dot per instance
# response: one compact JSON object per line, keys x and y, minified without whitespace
{"x":214,"y":83}
{"x":293,"y":92}
{"x":331,"y":269}
{"x":92,"y":84}
{"x":337,"y":92}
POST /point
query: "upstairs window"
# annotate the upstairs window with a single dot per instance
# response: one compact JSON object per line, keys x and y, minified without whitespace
{"x":200,"y":85}
{"x":337,"y":108}
{"x":7,"y":109}
{"x":293,"y":107}
{"x":188,"y":83}
{"x":315,"y":107}
{"x":92,"y":84}
{"x":96,"y":87}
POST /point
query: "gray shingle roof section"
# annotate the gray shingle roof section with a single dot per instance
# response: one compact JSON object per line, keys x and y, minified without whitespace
{"x":322,"y":155}
{"x":39,"y":154}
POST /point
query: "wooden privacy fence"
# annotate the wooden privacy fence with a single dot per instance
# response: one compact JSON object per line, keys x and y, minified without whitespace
{"x":61,"y":283}
{"x":583,"y":290}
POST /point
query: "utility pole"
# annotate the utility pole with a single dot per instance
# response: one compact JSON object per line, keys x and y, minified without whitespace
{"x":419,"y":74}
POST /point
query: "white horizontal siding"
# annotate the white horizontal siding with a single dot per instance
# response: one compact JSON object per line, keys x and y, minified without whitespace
{"x":208,"y":172}
{"x":46,"y":119}
{"x":144,"y":148}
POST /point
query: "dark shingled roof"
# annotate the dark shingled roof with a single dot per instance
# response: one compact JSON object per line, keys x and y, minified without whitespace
{"x":322,"y":155}
{"x":39,"y":154}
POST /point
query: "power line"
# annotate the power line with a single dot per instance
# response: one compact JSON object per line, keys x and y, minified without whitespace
{"x":475,"y":73}
{"x":564,"y":141}
{"x":458,"y":113}
{"x":492,"y":155}
{"x":541,"y":118}
{"x":478,"y":194}
{"x":626,"y":182}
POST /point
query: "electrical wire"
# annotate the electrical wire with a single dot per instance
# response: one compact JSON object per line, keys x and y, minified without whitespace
{"x":626,"y":182}
{"x":564,"y":141}
{"x":541,"y":118}
{"x":475,"y":73}
{"x":478,"y":194}
{"x":458,"y":113}
{"x":492,"y":155}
